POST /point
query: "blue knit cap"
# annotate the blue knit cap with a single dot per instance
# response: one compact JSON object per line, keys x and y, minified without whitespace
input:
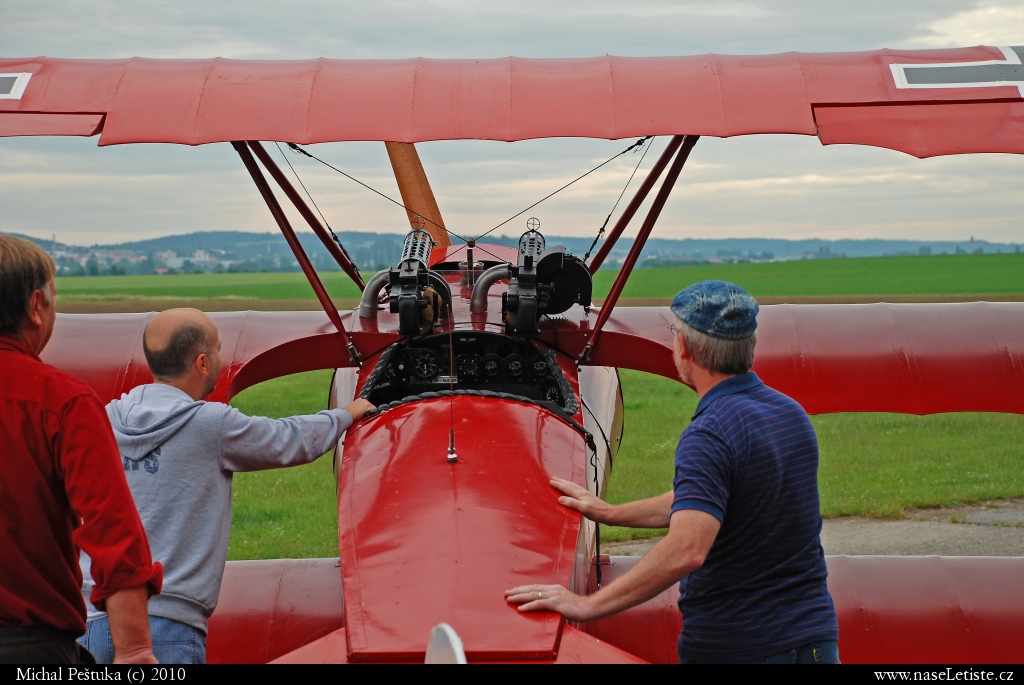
{"x":718,"y":309}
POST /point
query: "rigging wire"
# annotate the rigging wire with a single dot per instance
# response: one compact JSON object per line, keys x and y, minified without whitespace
{"x":295,"y":148}
{"x":334,"y":236}
{"x":632,"y":147}
{"x":600,"y":232}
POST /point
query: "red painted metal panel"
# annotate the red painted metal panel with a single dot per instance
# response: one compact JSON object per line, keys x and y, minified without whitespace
{"x":22,"y":124}
{"x":269,"y":608}
{"x":577,"y":647}
{"x":202,"y":101}
{"x":926,"y":130}
{"x":424,"y":542}
{"x":330,"y":649}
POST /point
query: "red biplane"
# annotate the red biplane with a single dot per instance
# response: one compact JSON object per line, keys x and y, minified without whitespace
{"x":503,"y":349}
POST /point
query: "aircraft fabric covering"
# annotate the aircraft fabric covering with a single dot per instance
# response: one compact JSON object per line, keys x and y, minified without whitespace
{"x":925,"y":103}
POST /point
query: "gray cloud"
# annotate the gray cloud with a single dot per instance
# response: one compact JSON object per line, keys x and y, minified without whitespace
{"x":773,"y":185}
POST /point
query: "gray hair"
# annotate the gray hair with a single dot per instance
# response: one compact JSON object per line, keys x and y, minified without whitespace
{"x":718,"y":355}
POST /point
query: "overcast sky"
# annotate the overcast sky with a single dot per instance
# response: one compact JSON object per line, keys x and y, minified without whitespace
{"x":758,"y":186}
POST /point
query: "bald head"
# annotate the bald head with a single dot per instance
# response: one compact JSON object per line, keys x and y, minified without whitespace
{"x":174,"y":339}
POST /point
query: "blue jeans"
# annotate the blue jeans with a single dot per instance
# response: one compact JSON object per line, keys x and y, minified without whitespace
{"x":173,"y":642}
{"x":812,"y":653}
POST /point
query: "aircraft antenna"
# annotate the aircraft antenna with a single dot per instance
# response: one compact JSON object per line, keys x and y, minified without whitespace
{"x":632,"y":147}
{"x":452,"y":458}
{"x":600,"y":231}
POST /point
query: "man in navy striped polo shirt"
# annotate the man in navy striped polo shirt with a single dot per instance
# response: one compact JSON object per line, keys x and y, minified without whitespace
{"x":744,"y":517}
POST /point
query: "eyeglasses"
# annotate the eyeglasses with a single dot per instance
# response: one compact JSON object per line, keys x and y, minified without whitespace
{"x":673,"y":329}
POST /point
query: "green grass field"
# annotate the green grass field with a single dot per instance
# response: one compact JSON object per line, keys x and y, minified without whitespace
{"x":285,"y":513}
{"x":263,"y":286}
{"x":871,"y":464}
{"x":937,"y":274}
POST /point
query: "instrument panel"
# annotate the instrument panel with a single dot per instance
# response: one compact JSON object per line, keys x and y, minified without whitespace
{"x":466,"y":361}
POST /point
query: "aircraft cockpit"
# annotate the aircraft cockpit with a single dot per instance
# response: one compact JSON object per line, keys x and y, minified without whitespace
{"x":437,"y":355}
{"x":469,"y":362}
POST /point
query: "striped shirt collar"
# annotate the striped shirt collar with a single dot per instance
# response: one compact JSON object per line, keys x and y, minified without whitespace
{"x":730,"y":386}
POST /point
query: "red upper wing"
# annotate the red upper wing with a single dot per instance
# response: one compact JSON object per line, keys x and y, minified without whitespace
{"x":841,"y":97}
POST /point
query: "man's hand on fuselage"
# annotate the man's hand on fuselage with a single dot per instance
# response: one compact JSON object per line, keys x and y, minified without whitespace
{"x":358,"y":408}
{"x":653,"y":512}
{"x":690,"y":536}
{"x":579,"y":498}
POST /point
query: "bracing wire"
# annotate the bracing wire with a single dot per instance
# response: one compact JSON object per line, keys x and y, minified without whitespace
{"x":632,"y":147}
{"x":295,"y":148}
{"x":337,"y":241}
{"x":636,"y":145}
{"x":600,"y":231}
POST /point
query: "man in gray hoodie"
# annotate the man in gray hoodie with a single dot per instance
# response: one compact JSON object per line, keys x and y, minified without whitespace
{"x":179,"y":455}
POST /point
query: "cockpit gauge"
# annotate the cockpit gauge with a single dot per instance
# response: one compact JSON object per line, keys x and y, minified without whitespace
{"x":469,"y":365}
{"x":551,"y":395}
{"x":515,"y":364}
{"x":539,"y":366}
{"x":425,"y":364}
{"x":492,"y":365}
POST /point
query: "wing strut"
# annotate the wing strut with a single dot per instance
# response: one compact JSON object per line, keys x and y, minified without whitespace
{"x":417,"y":196}
{"x":641,"y":239}
{"x":296,"y":246}
{"x":339,"y":256}
{"x":634,"y":204}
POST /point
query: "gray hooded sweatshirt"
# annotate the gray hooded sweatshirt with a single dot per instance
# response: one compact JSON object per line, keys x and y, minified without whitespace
{"x":179,"y":456}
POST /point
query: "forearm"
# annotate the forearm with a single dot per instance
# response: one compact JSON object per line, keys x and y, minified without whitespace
{"x":255,"y":443}
{"x":683,"y":550}
{"x":654,"y":512}
{"x":666,"y":564}
{"x":129,"y":625}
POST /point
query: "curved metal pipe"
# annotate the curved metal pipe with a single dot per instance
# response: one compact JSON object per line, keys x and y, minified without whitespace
{"x":368,"y":302}
{"x":478,"y":303}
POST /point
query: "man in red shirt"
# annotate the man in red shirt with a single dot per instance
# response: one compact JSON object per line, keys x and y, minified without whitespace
{"x":62,"y":488}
